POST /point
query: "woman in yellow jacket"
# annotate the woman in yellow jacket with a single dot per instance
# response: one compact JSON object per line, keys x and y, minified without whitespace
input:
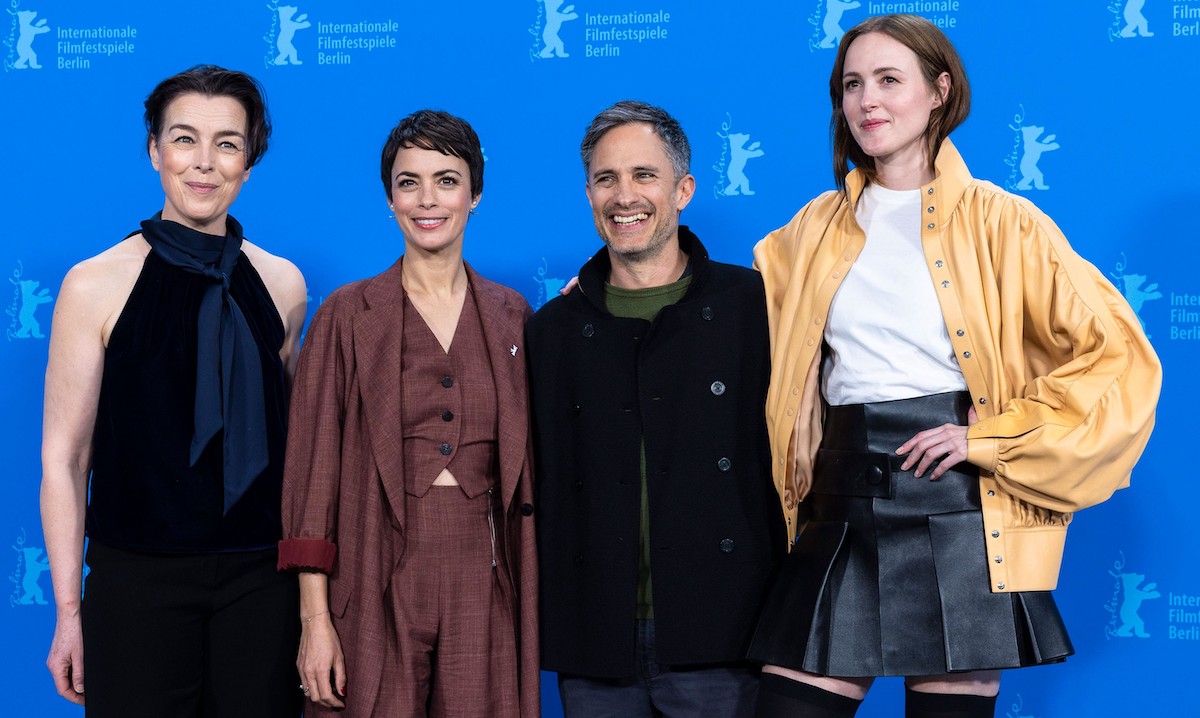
{"x":949,"y":382}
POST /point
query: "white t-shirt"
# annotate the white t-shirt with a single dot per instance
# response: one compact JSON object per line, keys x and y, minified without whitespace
{"x":885,"y":330}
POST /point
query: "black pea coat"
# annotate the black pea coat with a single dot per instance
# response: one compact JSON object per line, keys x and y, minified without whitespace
{"x":692,"y":384}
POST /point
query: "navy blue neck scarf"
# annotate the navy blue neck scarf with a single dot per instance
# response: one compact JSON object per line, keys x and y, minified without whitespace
{"x":229,"y":383}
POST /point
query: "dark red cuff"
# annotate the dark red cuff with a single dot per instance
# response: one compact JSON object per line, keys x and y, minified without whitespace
{"x":306,"y":554}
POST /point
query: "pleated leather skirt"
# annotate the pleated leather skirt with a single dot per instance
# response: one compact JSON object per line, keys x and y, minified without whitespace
{"x":889,"y":576}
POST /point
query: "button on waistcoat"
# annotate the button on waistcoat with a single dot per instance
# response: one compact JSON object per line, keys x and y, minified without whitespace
{"x":449,"y":408}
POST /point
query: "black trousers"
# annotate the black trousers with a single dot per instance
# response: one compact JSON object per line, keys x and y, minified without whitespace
{"x":191,"y":635}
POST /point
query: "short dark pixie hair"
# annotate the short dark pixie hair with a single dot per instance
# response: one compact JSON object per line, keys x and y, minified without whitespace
{"x":628,"y":112}
{"x":438,"y":131}
{"x":213,"y":81}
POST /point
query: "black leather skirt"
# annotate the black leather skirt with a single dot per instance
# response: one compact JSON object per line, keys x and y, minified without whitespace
{"x":889,"y":576}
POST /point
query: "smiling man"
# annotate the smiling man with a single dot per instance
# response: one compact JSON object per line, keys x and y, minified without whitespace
{"x":658,"y":523}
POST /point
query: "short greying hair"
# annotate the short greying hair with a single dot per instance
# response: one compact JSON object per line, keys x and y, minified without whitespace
{"x":628,"y":112}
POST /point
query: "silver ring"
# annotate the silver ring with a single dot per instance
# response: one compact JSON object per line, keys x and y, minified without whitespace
{"x":304,"y":689}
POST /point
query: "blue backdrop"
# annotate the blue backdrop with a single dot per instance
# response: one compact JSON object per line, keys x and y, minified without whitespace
{"x":1077,"y":105}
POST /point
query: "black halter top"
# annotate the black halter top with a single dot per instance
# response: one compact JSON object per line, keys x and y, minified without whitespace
{"x":144,"y":495}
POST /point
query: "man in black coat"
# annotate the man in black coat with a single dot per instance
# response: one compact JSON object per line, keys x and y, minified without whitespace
{"x":658,"y":524}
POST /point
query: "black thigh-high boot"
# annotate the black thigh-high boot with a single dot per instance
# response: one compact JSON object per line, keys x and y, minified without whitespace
{"x":947,"y":705}
{"x":780,"y":697}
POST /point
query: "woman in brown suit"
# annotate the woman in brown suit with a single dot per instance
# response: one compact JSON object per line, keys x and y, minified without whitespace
{"x":407,"y":493}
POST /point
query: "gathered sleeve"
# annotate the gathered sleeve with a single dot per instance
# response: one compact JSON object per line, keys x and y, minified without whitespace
{"x":313,"y":466}
{"x":1082,"y":380}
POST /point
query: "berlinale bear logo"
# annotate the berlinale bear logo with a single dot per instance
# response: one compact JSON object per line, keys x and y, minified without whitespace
{"x":27,"y":297}
{"x":288,"y":25}
{"x":556,"y":15}
{"x":1031,"y":175}
{"x":26,"y":58}
{"x":739,"y":183}
{"x":31,"y":564}
{"x":1125,"y":620}
{"x":736,"y":151}
{"x":1131,"y":601}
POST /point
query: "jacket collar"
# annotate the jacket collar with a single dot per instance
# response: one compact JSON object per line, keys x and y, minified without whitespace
{"x":387,"y":288}
{"x":950,"y":181}
{"x":595,"y":272}
{"x":378,"y":343}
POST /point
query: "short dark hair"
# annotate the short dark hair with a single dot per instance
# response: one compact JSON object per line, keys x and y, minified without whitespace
{"x":213,"y":81}
{"x":936,"y":55}
{"x":438,"y":131}
{"x":628,"y":112}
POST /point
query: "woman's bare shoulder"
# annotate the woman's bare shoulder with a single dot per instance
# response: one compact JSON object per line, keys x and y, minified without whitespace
{"x":96,"y":289}
{"x":279,"y":274}
{"x":110,"y":271}
{"x":285,"y":284}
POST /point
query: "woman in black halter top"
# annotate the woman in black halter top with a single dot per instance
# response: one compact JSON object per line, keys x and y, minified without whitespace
{"x":166,"y":403}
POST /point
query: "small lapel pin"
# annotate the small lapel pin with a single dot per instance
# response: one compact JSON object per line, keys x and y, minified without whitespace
{"x":513,"y":350}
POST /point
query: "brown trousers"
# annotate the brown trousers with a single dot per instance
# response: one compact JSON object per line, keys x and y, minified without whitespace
{"x":453,"y":607}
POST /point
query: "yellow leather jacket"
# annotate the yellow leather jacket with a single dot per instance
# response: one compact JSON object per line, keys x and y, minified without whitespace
{"x":1063,"y":379}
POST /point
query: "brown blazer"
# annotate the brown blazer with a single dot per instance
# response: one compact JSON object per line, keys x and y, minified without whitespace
{"x":344,"y":485}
